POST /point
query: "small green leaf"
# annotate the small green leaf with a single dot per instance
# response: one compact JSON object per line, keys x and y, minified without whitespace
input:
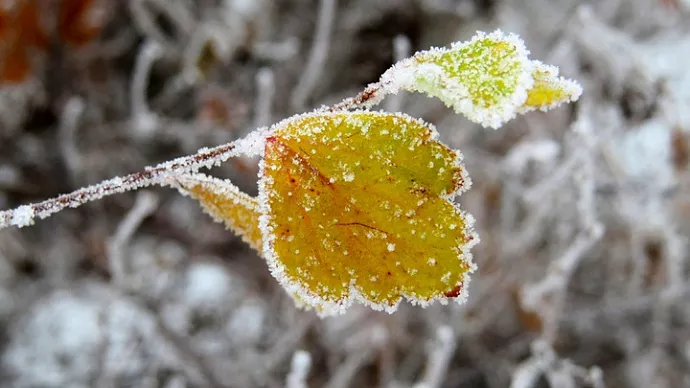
{"x":485,"y":79}
{"x":488,"y":79}
{"x":357,"y":206}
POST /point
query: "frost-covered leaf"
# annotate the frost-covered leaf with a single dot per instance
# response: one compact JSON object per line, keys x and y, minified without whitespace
{"x":549,"y":90}
{"x":357,"y":206}
{"x":485,"y":79}
{"x":225,"y":203}
{"x":488,"y":79}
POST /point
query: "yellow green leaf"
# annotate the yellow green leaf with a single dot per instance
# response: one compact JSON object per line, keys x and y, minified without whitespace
{"x":549,"y":90}
{"x":357,"y":206}
{"x":485,"y":79}
{"x":225,"y":203}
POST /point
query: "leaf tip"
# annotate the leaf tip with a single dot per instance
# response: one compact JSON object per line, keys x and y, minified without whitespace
{"x":549,"y":90}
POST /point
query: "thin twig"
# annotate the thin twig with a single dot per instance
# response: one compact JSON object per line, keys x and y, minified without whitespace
{"x":162,"y":174}
{"x":265,"y":84}
{"x":318,"y":55}
{"x":145,"y":204}
{"x":299,"y":370}
{"x":145,"y":121}
{"x":370,"y":96}
{"x":69,"y":123}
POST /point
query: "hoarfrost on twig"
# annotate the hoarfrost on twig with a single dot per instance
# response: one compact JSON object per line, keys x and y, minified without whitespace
{"x":162,"y":174}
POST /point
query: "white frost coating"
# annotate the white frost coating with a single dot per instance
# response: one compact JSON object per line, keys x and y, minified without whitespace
{"x":409,"y":74}
{"x":299,"y":369}
{"x":252,"y":144}
{"x":22,"y":216}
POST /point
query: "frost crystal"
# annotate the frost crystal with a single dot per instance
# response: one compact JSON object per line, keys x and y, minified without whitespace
{"x":22,"y":216}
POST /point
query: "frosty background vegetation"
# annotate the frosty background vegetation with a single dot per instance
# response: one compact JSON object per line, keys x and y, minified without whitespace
{"x":584,"y":212}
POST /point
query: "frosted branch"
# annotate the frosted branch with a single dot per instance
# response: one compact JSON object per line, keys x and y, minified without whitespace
{"x":162,"y":174}
{"x":370,"y":96}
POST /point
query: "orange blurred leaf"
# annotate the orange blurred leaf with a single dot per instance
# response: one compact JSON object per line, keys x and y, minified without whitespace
{"x":80,"y":21}
{"x":20,"y":31}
